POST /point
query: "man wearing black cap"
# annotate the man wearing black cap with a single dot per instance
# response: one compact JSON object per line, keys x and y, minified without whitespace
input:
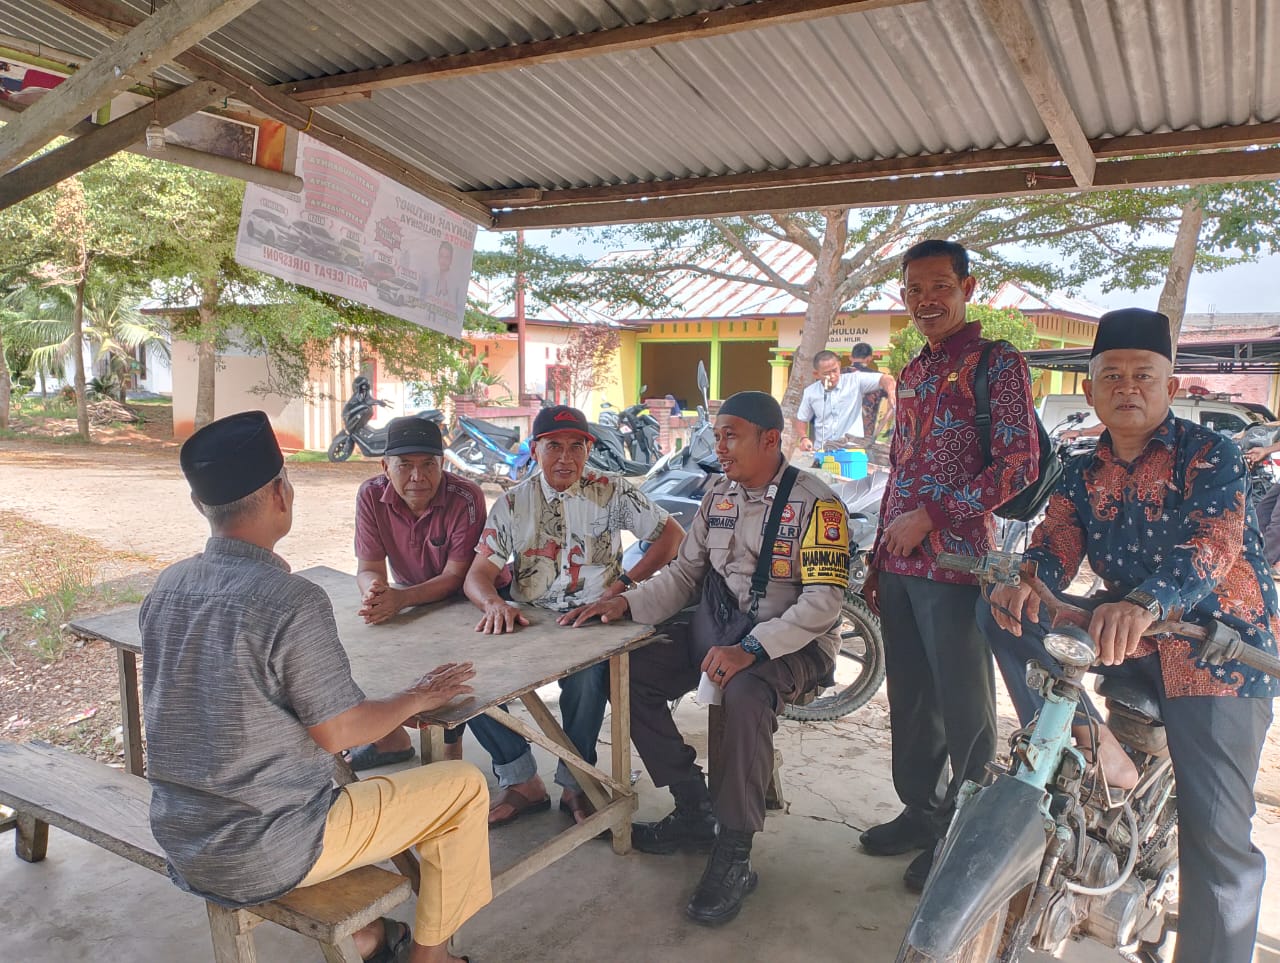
{"x":248,"y":693}
{"x":558,"y":538}
{"x":788,"y":651}
{"x":426,"y":523}
{"x":1161,"y":511}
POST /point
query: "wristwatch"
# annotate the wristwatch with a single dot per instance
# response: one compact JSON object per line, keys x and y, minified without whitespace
{"x":751,"y":645}
{"x":1145,"y":600}
{"x":626,"y":579}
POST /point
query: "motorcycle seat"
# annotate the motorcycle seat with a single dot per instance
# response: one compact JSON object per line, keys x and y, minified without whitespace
{"x":431,"y":414}
{"x":1130,"y":695}
{"x":507,"y":437}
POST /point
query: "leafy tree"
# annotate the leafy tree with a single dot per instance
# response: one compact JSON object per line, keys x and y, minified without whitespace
{"x":587,"y":355}
{"x":998,"y":324}
{"x":1050,"y":242}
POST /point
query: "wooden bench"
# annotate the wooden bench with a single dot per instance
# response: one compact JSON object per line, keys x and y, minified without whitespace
{"x":47,"y":786}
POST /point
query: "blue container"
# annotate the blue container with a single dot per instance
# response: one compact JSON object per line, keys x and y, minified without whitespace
{"x":853,"y":464}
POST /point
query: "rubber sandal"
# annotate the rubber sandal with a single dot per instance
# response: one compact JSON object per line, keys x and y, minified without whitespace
{"x":368,"y":757}
{"x":520,"y":804}
{"x":577,"y":805}
{"x":393,"y":951}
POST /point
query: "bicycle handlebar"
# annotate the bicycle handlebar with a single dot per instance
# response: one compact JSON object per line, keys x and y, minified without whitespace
{"x":1218,"y":642}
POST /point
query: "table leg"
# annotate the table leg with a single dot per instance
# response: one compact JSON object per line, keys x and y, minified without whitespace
{"x":130,"y":710}
{"x":620,"y":734}
{"x":431,"y":744}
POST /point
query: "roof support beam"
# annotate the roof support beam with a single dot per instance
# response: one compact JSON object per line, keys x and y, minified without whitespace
{"x":1233,"y":138}
{"x":1238,"y":165}
{"x":1012,"y":24}
{"x":173,"y":29}
{"x":111,"y":17}
{"x":100,"y":143}
{"x":714,"y":23}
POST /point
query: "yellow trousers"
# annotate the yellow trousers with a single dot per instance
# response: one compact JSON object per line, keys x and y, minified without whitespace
{"x":442,"y":812}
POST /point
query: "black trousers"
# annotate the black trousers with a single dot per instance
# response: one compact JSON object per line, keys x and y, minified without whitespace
{"x":662,"y":671}
{"x":941,"y":691}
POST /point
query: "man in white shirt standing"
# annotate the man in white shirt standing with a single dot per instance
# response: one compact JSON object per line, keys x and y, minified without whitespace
{"x":834,"y":402}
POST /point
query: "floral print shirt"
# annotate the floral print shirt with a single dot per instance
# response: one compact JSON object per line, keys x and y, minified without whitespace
{"x":1177,"y":523}
{"x":937,"y":457}
{"x":565,"y":548}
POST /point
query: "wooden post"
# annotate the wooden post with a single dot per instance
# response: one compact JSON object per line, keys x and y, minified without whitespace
{"x":232,"y":938}
{"x":431,"y":744}
{"x":32,"y":840}
{"x":620,"y":734}
{"x":130,"y":710}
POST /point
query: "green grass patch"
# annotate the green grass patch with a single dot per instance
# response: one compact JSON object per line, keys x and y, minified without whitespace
{"x":306,"y":457}
{"x":8,"y":434}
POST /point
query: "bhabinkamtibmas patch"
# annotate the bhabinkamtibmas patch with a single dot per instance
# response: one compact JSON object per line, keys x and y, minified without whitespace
{"x":824,"y":553}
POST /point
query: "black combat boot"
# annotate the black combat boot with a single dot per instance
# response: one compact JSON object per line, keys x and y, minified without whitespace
{"x":691,"y":826}
{"x":725,"y":882}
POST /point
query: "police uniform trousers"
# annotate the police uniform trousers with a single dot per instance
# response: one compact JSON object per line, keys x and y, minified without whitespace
{"x":753,"y":699}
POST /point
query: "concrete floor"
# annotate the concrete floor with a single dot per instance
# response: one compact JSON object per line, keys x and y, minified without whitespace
{"x":820,"y":897}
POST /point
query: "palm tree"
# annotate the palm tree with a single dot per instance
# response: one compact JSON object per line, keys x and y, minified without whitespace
{"x":114,"y":329}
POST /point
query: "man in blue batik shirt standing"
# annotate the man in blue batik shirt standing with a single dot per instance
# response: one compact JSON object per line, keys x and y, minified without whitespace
{"x":1161,"y":512}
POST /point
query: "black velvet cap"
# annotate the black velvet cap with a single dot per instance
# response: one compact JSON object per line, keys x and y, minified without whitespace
{"x":230,"y":458}
{"x":756,"y":407}
{"x":413,"y":436}
{"x":1134,"y":329}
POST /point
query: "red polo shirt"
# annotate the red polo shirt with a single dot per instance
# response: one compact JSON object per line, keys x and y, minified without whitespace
{"x":418,"y":548}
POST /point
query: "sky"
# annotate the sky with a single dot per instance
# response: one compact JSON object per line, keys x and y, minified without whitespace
{"x":1243,"y":288}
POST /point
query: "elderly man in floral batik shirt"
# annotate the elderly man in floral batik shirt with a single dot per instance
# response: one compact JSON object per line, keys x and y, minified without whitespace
{"x":556,"y":539}
{"x":1161,"y":512}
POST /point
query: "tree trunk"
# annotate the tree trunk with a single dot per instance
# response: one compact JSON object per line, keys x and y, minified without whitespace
{"x":818,"y":317}
{"x":5,"y":388}
{"x":1182,"y":262}
{"x":206,"y":357}
{"x":44,"y":389}
{"x":77,"y":347}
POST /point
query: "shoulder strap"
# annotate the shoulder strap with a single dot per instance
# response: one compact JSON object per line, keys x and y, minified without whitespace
{"x":982,"y":399}
{"x":760,"y":580}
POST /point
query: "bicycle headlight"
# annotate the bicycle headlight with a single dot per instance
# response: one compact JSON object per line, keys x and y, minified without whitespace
{"x":1071,"y":646}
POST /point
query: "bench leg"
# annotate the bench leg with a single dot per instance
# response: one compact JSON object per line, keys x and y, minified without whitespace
{"x":344,"y":951}
{"x":773,"y":798}
{"x":232,"y":935}
{"x":32,"y":839}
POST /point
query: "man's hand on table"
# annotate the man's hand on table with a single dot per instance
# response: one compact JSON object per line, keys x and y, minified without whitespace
{"x":500,"y":617}
{"x":607,"y":609}
{"x":1118,"y":628}
{"x":723,"y":662}
{"x":441,"y":686}
{"x":380,"y":602}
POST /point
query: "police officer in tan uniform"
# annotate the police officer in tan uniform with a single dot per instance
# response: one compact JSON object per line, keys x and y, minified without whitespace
{"x":790,"y":650}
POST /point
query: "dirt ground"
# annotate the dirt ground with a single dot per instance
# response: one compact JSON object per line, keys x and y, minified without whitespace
{"x":118,"y":509}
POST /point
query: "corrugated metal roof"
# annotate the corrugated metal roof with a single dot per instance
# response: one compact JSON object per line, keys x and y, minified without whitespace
{"x":921,"y":78}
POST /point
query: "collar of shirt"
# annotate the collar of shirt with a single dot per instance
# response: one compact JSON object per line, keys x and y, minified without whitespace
{"x":220,"y":545}
{"x":953,"y":346}
{"x":767,"y":492}
{"x":552,"y":495}
{"x":391,"y":498}
{"x":1166,"y":434}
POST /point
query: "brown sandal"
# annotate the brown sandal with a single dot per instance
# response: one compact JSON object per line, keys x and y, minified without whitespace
{"x":519,"y":803}
{"x":577,"y":806}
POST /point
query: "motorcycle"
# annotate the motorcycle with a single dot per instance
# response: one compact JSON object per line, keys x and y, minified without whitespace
{"x":609,"y":452}
{"x":357,"y":412}
{"x":1045,"y":851}
{"x":679,"y":481}
{"x":638,"y":428}
{"x":484,"y":451}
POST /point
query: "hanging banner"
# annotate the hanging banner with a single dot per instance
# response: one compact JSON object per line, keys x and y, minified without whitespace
{"x":359,"y":235}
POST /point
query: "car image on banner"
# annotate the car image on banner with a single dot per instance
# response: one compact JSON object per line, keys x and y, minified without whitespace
{"x":359,"y":235}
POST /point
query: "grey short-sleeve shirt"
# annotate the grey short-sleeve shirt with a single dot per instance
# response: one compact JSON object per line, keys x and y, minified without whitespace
{"x":239,"y":658}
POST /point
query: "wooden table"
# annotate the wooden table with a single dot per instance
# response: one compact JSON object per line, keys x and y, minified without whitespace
{"x":385,"y":658}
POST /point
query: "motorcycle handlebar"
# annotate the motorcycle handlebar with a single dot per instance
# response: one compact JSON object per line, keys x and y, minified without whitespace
{"x":1218,"y":643}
